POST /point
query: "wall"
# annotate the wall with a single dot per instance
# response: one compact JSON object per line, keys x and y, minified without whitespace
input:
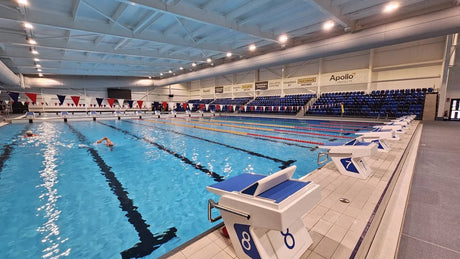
{"x":409,"y":65}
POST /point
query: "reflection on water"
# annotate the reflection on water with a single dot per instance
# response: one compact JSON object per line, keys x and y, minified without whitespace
{"x":49,"y":195}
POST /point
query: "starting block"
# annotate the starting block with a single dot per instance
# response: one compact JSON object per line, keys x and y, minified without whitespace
{"x":174,"y":113}
{"x":64,"y":115}
{"x":387,"y":134}
{"x":397,"y":128}
{"x":189,"y":113}
{"x":93,"y":114}
{"x":350,"y":158}
{"x":118,"y":114}
{"x":263,"y":214}
{"x":30,"y":116}
{"x":138,"y":113}
{"x":157,"y":113}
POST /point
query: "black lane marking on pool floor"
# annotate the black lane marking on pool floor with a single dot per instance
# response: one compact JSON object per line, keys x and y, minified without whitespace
{"x":148,"y":242}
{"x":284,"y":164}
{"x":8,"y":149}
{"x":216,"y":176}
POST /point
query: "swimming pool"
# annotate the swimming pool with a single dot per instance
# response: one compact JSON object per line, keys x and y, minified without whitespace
{"x":62,"y":195}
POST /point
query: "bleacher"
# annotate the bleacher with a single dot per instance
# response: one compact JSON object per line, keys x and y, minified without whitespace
{"x":379,"y":103}
{"x":229,"y":104}
{"x":289,"y":104}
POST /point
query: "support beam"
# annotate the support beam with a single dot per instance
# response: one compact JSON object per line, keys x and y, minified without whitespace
{"x":75,"y":7}
{"x":329,"y":9}
{"x":147,"y":22}
{"x":190,"y":12}
{"x":39,"y":18}
{"x":61,"y":44}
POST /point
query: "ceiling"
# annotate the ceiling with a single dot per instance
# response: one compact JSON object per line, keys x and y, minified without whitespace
{"x":163,"y":38}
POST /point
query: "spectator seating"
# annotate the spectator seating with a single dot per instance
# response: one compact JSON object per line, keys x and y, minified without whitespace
{"x":379,"y":103}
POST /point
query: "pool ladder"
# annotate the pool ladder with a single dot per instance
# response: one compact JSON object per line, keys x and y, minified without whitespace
{"x":212,"y":204}
{"x":321,"y":155}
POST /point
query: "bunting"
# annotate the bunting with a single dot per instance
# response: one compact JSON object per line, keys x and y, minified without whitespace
{"x":110,"y":101}
{"x":61,"y":99}
{"x":120,"y":102}
{"x":99,"y":101}
{"x":32,"y":97}
{"x":185,"y":106}
{"x":14,"y":96}
{"x":139,"y":103}
{"x":75,"y":99}
{"x":130,"y":103}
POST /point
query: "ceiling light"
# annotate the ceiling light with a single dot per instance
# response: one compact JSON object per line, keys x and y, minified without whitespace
{"x":38,"y":65}
{"x":208,"y":60}
{"x":22,"y":2}
{"x":252,"y":47}
{"x":390,"y":7}
{"x":283,"y":38}
{"x":193,"y":64}
{"x":28,"y":25}
{"x":170,"y":71}
{"x":34,"y":52}
{"x":161,"y":74}
{"x":39,"y":69}
{"x":229,"y":54}
{"x":36,"y":59}
{"x":181,"y":68}
{"x":40,"y":74}
{"x":328,"y":25}
{"x":150,"y":77}
{"x":32,"y":41}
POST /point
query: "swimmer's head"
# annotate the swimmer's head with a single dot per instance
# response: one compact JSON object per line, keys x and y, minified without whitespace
{"x":29,"y":133}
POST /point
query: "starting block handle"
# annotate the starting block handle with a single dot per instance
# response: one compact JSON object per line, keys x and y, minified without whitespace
{"x":213,"y":204}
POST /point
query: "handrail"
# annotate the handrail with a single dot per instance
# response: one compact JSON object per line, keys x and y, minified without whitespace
{"x":213,"y":204}
{"x":320,"y":155}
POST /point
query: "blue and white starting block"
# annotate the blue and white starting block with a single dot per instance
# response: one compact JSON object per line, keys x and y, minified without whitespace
{"x":189,"y":113}
{"x":388,"y":134}
{"x":350,"y":157}
{"x":157,"y":113}
{"x":30,"y":115}
{"x":174,"y":113}
{"x":398,"y":128}
{"x":378,"y":136}
{"x":263,"y":214}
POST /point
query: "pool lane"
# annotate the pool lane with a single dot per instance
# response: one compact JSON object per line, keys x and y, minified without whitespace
{"x":214,"y":175}
{"x":242,"y":133}
{"x":148,"y":242}
{"x":284,"y":164}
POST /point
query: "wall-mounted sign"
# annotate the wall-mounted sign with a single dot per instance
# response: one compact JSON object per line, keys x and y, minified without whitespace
{"x":345,"y":77}
{"x":218,"y":89}
{"x":262,"y":85}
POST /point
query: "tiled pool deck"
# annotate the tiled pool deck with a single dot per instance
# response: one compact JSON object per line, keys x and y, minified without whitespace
{"x":335,"y":227}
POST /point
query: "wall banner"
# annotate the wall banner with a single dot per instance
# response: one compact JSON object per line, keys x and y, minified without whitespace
{"x":243,"y":87}
{"x":219,"y":89}
{"x":206,"y":91}
{"x":262,"y":85}
{"x":345,"y":77}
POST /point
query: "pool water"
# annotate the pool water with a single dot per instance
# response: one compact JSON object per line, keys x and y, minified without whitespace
{"x":63,"y":195}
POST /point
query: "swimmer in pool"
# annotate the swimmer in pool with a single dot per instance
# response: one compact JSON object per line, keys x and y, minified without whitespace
{"x":29,"y":133}
{"x":108,"y":142}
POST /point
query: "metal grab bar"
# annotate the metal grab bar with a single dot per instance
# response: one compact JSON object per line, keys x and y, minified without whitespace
{"x":322,"y":154}
{"x":213,"y":204}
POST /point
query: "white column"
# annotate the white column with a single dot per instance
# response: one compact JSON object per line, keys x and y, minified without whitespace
{"x":369,"y":75}
{"x":445,"y":75}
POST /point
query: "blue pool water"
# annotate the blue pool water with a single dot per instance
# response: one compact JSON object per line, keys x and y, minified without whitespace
{"x":63,"y":195}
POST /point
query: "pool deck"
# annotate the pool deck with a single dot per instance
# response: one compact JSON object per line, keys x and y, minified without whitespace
{"x":341,"y":229}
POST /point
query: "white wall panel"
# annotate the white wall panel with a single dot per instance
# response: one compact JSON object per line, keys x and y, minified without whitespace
{"x":412,"y":52}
